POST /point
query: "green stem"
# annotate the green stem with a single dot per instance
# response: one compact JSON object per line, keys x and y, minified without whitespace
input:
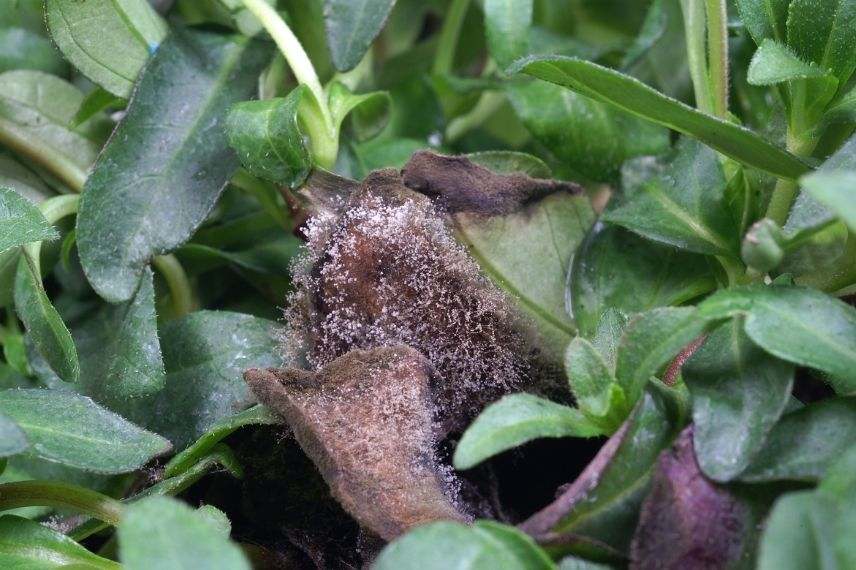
{"x":53,"y":209}
{"x":488,"y":104}
{"x":294,"y":53}
{"x":63,"y":495}
{"x":785,"y":190}
{"x":694,"y":32}
{"x":449,"y":35}
{"x":717,"y":43}
{"x":64,"y":168}
{"x":180,"y":289}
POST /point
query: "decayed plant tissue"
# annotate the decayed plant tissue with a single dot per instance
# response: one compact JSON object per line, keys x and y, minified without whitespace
{"x":401,"y":338}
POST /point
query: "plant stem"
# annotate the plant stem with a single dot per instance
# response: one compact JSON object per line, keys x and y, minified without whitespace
{"x":294,"y":53}
{"x":64,"y":168}
{"x":179,"y":285}
{"x":694,"y":29}
{"x":53,"y":209}
{"x":449,"y":35}
{"x":488,"y":104}
{"x":785,"y":190}
{"x":717,"y":43}
{"x":57,"y":494}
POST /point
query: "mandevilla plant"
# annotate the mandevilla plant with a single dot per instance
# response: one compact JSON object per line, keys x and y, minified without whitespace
{"x":518,"y":284}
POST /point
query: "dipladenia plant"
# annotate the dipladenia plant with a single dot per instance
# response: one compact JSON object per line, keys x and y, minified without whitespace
{"x":447,"y":284}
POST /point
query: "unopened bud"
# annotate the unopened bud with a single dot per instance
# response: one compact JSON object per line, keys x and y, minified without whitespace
{"x":762,"y":246}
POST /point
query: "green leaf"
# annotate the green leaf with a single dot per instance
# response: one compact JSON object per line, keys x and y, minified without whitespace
{"x":22,"y":180}
{"x":163,"y":533}
{"x":205,"y":355}
{"x":171,"y":151}
{"x":96,"y":101}
{"x":20,"y":221}
{"x":653,"y":28}
{"x":267,"y":138}
{"x":21,"y":48}
{"x":70,"y":429}
{"x":42,"y":321}
{"x":509,"y":161}
{"x":651,"y":341}
{"x":449,"y":545}
{"x":257,"y":415}
{"x":801,"y":325}
{"x":822,"y":32}
{"x":684,"y":205}
{"x":514,"y":420}
{"x":109,"y":41}
{"x":797,"y":534}
{"x":836,"y":190}
{"x":351,"y":27}
{"x":507,"y":24}
{"x":593,"y":384}
{"x":369,"y":111}
{"x":26,"y":544}
{"x":119,"y":349}
{"x":617,"y":269}
{"x":804,"y":443}
{"x":528,"y":254}
{"x":36,"y":114}
{"x":765,"y":19}
{"x":12,"y":438}
{"x":629,"y":94}
{"x":603,"y":502}
{"x":808,"y":214}
{"x":739,"y":392}
{"x":588,"y":136}
{"x":775,"y":63}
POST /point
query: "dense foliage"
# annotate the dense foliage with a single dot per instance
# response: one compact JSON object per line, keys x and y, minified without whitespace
{"x":693,"y":291}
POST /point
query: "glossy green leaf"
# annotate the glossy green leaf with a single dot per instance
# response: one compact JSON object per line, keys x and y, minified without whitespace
{"x":765,"y":19}
{"x":43,"y":323}
{"x":514,"y":420}
{"x":96,"y":101}
{"x":804,"y":443}
{"x":447,"y":545}
{"x":170,"y":150}
{"x":12,"y":438}
{"x":602,"y":504}
{"x":615,"y":268}
{"x":257,"y":415}
{"x":528,"y":254}
{"x":28,"y":545}
{"x":351,"y":27}
{"x":20,"y":221}
{"x":822,"y":32}
{"x":836,"y":190}
{"x":507,"y":24}
{"x":205,"y":355}
{"x":119,"y":349}
{"x":684,"y":206}
{"x":651,"y":341}
{"x":70,"y":429}
{"x":631,"y":95}
{"x":163,"y":533}
{"x":109,"y":41}
{"x":267,"y":138}
{"x":588,"y":136}
{"x":739,"y":392}
{"x":36,"y":114}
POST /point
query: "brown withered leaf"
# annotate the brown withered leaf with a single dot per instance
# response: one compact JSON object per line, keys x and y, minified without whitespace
{"x":690,"y":523}
{"x":366,"y":421}
{"x":459,"y":185}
